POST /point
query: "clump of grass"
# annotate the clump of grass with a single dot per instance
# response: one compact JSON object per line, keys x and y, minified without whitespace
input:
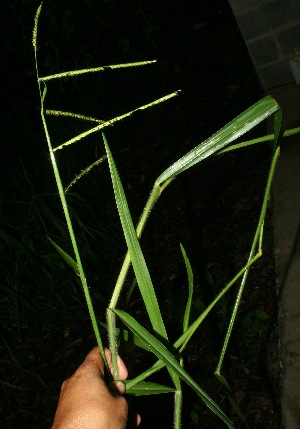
{"x":156,"y":339}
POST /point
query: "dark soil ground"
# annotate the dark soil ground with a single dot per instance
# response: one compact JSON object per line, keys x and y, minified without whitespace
{"x":212,"y":210}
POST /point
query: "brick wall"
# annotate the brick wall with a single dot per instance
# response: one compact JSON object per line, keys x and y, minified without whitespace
{"x":271,"y":29}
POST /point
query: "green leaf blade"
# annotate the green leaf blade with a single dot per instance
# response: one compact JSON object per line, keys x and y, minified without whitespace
{"x":137,"y":258}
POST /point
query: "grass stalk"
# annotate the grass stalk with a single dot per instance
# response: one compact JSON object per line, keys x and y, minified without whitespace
{"x":64,"y":202}
{"x":112,"y":338}
{"x":72,"y":235}
{"x":257,"y":239}
{"x":177,"y":409}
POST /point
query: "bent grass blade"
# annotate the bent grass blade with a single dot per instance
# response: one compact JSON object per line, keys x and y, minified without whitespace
{"x":230,"y":132}
{"x":257,"y":241}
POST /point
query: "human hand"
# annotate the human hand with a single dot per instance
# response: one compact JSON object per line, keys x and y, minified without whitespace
{"x":87,"y":402}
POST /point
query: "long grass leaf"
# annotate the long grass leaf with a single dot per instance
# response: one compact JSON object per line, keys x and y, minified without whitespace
{"x":156,"y":347}
{"x":230,"y":132}
{"x":137,"y":258}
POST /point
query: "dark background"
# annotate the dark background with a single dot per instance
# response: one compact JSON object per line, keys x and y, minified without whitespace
{"x":199,"y":50}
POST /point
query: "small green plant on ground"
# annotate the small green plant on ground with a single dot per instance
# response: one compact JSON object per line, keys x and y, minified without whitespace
{"x":156,"y":340}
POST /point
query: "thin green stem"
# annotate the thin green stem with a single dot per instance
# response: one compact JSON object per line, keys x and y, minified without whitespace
{"x":178,"y":402}
{"x":177,"y":409}
{"x":111,"y":328}
{"x":72,"y":235}
{"x":64,"y":202}
{"x":257,"y":238}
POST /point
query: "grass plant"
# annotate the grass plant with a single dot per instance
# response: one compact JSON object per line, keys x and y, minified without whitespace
{"x":156,"y":340}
